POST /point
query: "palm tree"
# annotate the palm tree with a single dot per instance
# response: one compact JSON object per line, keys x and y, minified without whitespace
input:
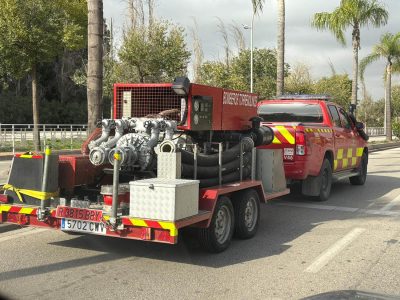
{"x":280,"y":72}
{"x":389,"y":49}
{"x":353,"y":14}
{"x":95,"y":62}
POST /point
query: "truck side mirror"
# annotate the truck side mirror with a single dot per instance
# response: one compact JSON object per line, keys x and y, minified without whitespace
{"x":359,"y":125}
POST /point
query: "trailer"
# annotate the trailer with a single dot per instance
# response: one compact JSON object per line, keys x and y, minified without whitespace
{"x":173,"y":156}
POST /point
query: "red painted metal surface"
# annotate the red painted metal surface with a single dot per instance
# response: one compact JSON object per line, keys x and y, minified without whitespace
{"x":232,"y":110}
{"x":75,"y":170}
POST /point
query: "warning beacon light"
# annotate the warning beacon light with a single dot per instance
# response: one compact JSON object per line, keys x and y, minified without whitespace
{"x":181,"y":86}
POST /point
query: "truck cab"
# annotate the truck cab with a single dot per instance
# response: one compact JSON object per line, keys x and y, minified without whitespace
{"x":320,"y":142}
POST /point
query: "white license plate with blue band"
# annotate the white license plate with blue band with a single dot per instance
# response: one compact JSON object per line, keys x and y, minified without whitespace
{"x":83,"y":226}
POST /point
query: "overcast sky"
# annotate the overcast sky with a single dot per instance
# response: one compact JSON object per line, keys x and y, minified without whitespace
{"x":303,"y":43}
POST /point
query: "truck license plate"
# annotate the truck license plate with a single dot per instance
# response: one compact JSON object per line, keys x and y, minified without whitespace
{"x":83,"y":226}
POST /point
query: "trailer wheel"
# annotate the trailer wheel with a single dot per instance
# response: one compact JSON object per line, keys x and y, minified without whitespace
{"x":325,"y":176}
{"x":247,"y":213}
{"x":217,"y":237}
{"x":362,"y":177}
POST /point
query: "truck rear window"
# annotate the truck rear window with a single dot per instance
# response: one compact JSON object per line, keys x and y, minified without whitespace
{"x":291,"y":112}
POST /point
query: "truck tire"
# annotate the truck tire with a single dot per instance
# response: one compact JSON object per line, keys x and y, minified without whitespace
{"x":362,"y":177}
{"x":325,"y":177}
{"x":246,"y":205}
{"x":217,"y":237}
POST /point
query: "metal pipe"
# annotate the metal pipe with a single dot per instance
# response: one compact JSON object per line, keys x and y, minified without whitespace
{"x":253,"y":163}
{"x":195,"y":162}
{"x":114,"y":209}
{"x":46,"y":168}
{"x":220,"y":163}
{"x":241,"y":161}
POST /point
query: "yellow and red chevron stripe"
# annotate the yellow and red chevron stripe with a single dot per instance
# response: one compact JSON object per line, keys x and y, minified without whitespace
{"x":173,"y":230}
{"x":284,"y":134}
{"x":18,"y":209}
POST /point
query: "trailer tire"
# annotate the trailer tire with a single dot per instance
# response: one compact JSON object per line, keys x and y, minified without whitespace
{"x":217,"y":237}
{"x":247,"y":213}
{"x":325,"y":176}
{"x":362,"y":177}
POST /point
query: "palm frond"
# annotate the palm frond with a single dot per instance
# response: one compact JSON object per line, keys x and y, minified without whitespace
{"x":367,"y":61}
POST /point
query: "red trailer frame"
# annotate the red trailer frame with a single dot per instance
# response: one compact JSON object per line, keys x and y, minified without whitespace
{"x":141,"y":229}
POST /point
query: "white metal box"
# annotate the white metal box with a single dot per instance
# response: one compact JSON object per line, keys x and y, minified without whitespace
{"x":164,"y":199}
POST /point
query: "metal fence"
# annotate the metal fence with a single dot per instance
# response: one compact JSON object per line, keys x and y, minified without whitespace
{"x":375,"y":131}
{"x":20,"y":136}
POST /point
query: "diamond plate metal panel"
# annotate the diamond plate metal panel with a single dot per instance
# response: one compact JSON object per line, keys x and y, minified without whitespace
{"x":164,"y":199}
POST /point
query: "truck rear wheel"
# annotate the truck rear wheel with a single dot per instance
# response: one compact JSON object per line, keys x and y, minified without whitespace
{"x":362,"y":177}
{"x":247,"y":213}
{"x":325,"y":176}
{"x":217,"y":237}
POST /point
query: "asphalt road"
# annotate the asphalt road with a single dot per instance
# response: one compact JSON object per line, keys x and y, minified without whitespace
{"x":303,"y":248}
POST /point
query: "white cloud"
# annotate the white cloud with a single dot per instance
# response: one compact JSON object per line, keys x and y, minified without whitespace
{"x":303,"y":43}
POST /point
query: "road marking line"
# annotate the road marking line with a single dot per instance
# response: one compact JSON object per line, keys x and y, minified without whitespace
{"x":323,"y":259}
{"x":340,"y":208}
{"x":22,"y":232}
{"x":392,"y":203}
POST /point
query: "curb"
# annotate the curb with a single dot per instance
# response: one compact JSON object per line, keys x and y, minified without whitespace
{"x":383,"y":146}
{"x":59,"y":152}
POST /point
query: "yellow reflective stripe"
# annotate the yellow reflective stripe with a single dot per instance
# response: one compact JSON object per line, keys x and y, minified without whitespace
{"x":173,"y":231}
{"x":349,"y":152}
{"x":345,"y":162}
{"x":26,"y":211}
{"x":360,"y":152}
{"x":288,"y":136}
{"x":335,"y":163}
{"x":354,"y":161}
{"x":340,"y":154}
{"x":139,"y":223}
{"x":25,"y":156}
{"x":5,"y":208}
{"x":276,"y":141}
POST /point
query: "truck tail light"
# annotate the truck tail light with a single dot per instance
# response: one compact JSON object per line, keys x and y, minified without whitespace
{"x":300,"y":143}
{"x":3,"y":198}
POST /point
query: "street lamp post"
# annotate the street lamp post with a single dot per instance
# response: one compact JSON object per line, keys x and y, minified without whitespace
{"x":251,"y":50}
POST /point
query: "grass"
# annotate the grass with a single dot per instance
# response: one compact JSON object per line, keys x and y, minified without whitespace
{"x":55,"y":144}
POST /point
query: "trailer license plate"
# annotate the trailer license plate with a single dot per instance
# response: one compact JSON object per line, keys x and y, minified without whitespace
{"x":83,"y":226}
{"x":79,"y":213}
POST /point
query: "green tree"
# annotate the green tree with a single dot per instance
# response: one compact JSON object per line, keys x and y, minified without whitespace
{"x":156,"y":52}
{"x":299,"y":80}
{"x":353,"y":14}
{"x":338,"y":86}
{"x":29,"y":35}
{"x":237,"y":76}
{"x":396,"y":103}
{"x":32,"y":32}
{"x":388,"y":49}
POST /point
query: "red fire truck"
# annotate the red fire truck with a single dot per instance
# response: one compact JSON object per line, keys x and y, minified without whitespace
{"x":319,"y":140}
{"x":173,"y":155}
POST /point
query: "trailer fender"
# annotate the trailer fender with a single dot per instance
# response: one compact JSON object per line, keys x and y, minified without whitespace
{"x":209,"y":196}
